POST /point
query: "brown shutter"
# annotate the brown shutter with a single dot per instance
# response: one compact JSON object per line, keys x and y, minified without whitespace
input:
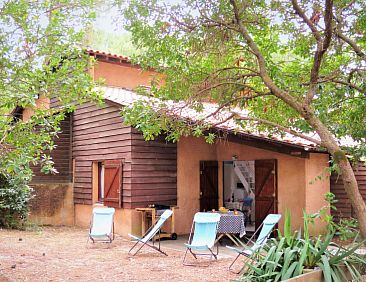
{"x":112,"y":183}
{"x":265,"y":189}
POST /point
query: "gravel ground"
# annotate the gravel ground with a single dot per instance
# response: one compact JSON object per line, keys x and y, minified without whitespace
{"x":61,"y":254}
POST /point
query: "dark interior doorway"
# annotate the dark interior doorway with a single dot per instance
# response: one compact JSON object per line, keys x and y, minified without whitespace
{"x":209,"y":185}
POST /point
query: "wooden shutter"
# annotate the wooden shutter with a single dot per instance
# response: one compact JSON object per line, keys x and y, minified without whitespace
{"x":265,"y":189}
{"x":113,"y":183}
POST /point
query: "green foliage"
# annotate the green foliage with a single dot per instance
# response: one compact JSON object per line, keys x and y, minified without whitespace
{"x":14,"y":197}
{"x":289,"y":255}
{"x":345,"y":228}
{"x":201,"y":48}
{"x":99,"y":39}
{"x":41,"y":56}
{"x":152,"y":123}
{"x":289,"y":236}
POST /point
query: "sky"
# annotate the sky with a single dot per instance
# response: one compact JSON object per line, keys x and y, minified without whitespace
{"x":107,"y":19}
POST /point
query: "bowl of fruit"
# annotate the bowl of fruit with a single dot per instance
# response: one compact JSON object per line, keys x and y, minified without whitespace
{"x":223,"y":209}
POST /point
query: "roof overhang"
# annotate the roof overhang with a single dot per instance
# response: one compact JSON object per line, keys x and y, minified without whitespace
{"x":109,"y":57}
{"x":290,"y":145}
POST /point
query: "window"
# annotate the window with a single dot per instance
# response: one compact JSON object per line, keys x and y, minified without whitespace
{"x":100,"y":182}
{"x":107,"y":182}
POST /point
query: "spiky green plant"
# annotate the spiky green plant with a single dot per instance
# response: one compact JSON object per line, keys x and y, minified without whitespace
{"x":288,"y":255}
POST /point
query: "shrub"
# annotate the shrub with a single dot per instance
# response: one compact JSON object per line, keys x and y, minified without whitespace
{"x":288,"y":255}
{"x":345,"y":228}
{"x":14,"y":197}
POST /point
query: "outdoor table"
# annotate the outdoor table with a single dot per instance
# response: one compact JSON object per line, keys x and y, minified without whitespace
{"x":230,"y":224}
{"x":154,"y":213}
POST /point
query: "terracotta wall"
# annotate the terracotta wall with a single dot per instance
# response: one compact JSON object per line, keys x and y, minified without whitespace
{"x":53,"y":204}
{"x":293,"y":173}
{"x":125,"y":220}
{"x":316,"y":187}
{"x":41,"y":103}
{"x":120,"y":75}
{"x":126,"y":76}
{"x":190,"y":152}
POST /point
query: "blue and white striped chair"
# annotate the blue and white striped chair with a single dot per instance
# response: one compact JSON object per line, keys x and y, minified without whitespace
{"x":266,"y":229}
{"x":203,"y":235}
{"x":150,"y":234}
{"x":102,"y":225}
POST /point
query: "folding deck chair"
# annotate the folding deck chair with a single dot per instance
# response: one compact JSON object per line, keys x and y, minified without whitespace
{"x":102,"y":225}
{"x":267,"y":226}
{"x":150,"y":233}
{"x":204,"y":230}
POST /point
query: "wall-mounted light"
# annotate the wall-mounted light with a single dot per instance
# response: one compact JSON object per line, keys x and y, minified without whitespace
{"x":234,"y":157}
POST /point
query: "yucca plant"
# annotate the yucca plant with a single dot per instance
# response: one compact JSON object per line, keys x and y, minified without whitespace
{"x":290,"y":237}
{"x":288,"y":255}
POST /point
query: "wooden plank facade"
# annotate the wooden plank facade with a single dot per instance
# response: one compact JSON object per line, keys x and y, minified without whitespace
{"x":96,"y":134}
{"x":153,"y":172}
{"x":149,"y":168}
{"x":344,"y":208}
{"x":61,"y":155}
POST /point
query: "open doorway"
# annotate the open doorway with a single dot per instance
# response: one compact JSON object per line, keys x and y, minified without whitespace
{"x":251,"y":186}
{"x":209,"y":185}
{"x":239,"y":189}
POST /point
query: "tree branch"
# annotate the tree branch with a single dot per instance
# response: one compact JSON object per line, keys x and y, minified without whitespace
{"x":309,"y":23}
{"x":351,"y":85}
{"x":353,"y":45}
{"x":189,"y":27}
{"x":231,"y":102}
{"x":321,"y":46}
{"x":262,"y":64}
{"x":224,"y":120}
{"x":236,"y":68}
{"x":334,"y":79}
{"x":283,"y":128}
{"x":231,"y":83}
{"x":62,"y":6}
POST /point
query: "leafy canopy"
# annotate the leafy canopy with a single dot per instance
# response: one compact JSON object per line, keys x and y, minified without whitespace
{"x":40,"y":57}
{"x":205,"y":49}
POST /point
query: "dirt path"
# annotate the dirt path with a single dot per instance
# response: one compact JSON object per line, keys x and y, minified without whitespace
{"x":60,"y":254}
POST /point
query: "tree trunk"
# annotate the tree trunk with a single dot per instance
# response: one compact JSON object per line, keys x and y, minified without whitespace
{"x":353,"y":193}
{"x":346,"y":171}
{"x":304,"y":109}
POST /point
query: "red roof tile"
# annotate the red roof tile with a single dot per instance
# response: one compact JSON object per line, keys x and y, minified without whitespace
{"x":126,"y":98}
{"x":107,"y":55}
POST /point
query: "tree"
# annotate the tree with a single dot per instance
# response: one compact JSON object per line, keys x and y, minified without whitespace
{"x":111,"y":42}
{"x":105,"y":35}
{"x":296,"y":67}
{"x":40,"y":57}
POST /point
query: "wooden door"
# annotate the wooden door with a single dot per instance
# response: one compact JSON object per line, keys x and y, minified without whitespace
{"x":209,"y":185}
{"x":265,"y":189}
{"x":112,"y":183}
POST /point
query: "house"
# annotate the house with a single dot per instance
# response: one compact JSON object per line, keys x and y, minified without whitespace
{"x":102,"y":161}
{"x":343,"y":204}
